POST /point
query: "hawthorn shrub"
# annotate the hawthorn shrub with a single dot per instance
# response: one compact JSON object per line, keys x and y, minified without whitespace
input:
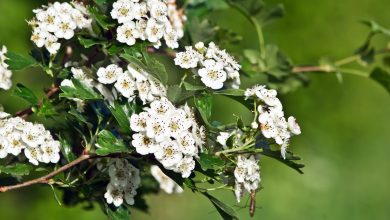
{"x":128,"y":125}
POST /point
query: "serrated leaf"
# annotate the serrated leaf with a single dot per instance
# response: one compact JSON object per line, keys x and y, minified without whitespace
{"x":120,"y":213}
{"x":100,"y":18}
{"x":17,"y":169}
{"x":155,"y":67}
{"x":121,"y":113}
{"x":226,"y":212}
{"x":46,"y":109}
{"x":382,"y":77}
{"x":107,"y":143}
{"x":89,"y":42}
{"x":25,"y":93}
{"x":79,"y":91}
{"x":208,"y":161}
{"x":191,"y":87}
{"x":19,"y":62}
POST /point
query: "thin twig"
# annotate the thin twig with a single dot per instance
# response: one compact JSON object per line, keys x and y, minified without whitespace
{"x":46,"y":179}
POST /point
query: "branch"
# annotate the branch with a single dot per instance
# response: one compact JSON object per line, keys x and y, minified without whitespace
{"x":46,"y":178}
{"x":28,"y":111}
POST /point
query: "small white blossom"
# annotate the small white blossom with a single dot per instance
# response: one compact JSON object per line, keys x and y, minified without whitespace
{"x":247,"y":175}
{"x":109,"y":74}
{"x":212,"y":75}
{"x":154,"y":30}
{"x":169,"y":153}
{"x":123,"y":11}
{"x":185,"y":167}
{"x":5,"y":74}
{"x":125,"y":85}
{"x":114,"y":195}
{"x":127,"y":33}
{"x":143,"y":144}
{"x":293,"y":126}
{"x":188,"y":59}
{"x":166,"y":183}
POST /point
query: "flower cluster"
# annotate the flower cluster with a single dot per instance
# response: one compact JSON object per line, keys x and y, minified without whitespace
{"x":176,"y":17}
{"x":171,"y":134}
{"x":147,"y":20}
{"x":132,"y":80}
{"x":166,"y":183}
{"x":273,"y":124}
{"x":216,"y":66}
{"x":124,"y":182}
{"x":17,"y":135}
{"x":56,"y":21}
{"x":5,"y":73}
{"x":247,"y":175}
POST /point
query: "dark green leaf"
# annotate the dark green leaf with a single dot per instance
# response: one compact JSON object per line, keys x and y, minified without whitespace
{"x":25,"y":93}
{"x":16,"y":169}
{"x":121,"y":114}
{"x":382,"y":77}
{"x":204,"y":105}
{"x":231,"y":92}
{"x":107,"y":143}
{"x":289,"y":161}
{"x":66,"y":150}
{"x":226,"y":212}
{"x":272,"y":13}
{"x":191,"y":87}
{"x":120,"y":213}
{"x":173,"y":93}
{"x":156,"y":68}
{"x":208,"y":161}
{"x":19,"y":62}
{"x":100,"y":18}
{"x":79,"y":91}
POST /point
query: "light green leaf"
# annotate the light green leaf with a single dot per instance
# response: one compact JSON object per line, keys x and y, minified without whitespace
{"x":191,"y":87}
{"x":208,"y":161}
{"x":120,"y":213}
{"x":121,"y":114}
{"x":79,"y":91}
{"x":19,"y":62}
{"x":88,"y":42}
{"x":204,"y":105}
{"x":107,"y":143}
{"x":17,"y":169}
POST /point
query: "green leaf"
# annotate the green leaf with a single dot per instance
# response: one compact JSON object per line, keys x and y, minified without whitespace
{"x":79,"y":91}
{"x":25,"y":93}
{"x":204,"y":105}
{"x":289,"y":161}
{"x":121,"y":114}
{"x":107,"y":143}
{"x":177,"y":95}
{"x":216,"y":4}
{"x":191,"y":87}
{"x":17,"y":169}
{"x":155,"y":67}
{"x":252,"y":55}
{"x":208,"y":161}
{"x":226,"y":212}
{"x":66,"y":150}
{"x":89,"y":42}
{"x":100,"y":18}
{"x":272,"y":13}
{"x":382,"y":77}
{"x":100,"y":2}
{"x":231,"y":92}
{"x":19,"y":62}
{"x":120,"y":213}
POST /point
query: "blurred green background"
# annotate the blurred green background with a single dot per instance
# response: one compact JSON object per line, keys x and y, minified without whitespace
{"x":345,"y":140}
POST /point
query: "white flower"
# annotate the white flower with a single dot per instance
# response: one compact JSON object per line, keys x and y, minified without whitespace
{"x":223,"y":137}
{"x":161,"y":107}
{"x":48,"y":19}
{"x":51,"y":44}
{"x":212,"y":75}
{"x":5,"y":78}
{"x":130,"y":192}
{"x":127,"y":33}
{"x":159,"y":11}
{"x":39,"y":36}
{"x":123,"y":11}
{"x":15,"y":143}
{"x":125,"y":85}
{"x":65,"y":28}
{"x":185,"y":167}
{"x":32,"y":136}
{"x":33,"y":155}
{"x":109,"y":74}
{"x":80,"y":19}
{"x":171,"y":38}
{"x":293,"y":126}
{"x":114,"y":195}
{"x":50,"y":152}
{"x":4,"y":145}
{"x":154,"y":31}
{"x":169,"y":154}
{"x":143,"y":144}
{"x":177,"y":123}
{"x":141,"y":25}
{"x":187,"y":144}
{"x":188,"y":59}
{"x":247,"y":175}
{"x":138,"y":121}
{"x":166,"y":183}
{"x":157,"y":128}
